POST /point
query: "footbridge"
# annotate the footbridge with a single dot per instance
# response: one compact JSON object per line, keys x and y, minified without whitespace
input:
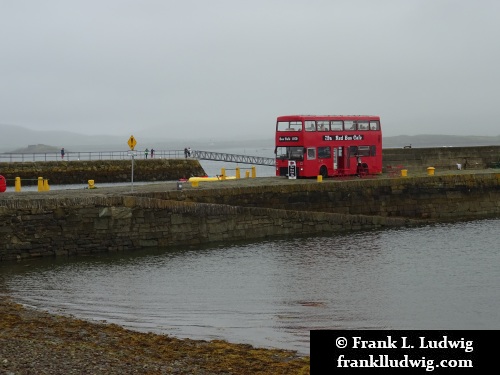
{"x":233,"y":158}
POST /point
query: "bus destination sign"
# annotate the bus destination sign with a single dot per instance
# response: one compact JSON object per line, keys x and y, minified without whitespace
{"x":346,"y":137}
{"x":289,"y":139}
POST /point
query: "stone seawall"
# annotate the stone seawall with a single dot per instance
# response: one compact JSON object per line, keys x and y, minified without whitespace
{"x":102,"y":171}
{"x":79,"y":223}
{"x":457,"y":196}
{"x":86,"y":225}
{"x":443,"y":158}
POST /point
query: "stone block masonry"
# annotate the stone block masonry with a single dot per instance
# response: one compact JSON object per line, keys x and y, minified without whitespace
{"x":82,"y":223}
{"x":102,"y":171}
{"x":88,"y":225}
{"x":443,"y":158}
{"x":454,"y":197}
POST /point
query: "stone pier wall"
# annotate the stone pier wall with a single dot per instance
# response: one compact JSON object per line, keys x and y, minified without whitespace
{"x":82,"y":226}
{"x":443,"y":158}
{"x":78,"y":224}
{"x":445,"y":197}
{"x":101,"y":171}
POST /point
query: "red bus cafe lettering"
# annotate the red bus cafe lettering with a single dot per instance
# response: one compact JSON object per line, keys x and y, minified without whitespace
{"x":355,"y":137}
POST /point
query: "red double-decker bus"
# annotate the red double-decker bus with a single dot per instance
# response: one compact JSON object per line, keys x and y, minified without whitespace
{"x":309,"y":146}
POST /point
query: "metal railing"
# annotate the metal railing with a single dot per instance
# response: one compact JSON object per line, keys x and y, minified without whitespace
{"x":123,"y":155}
{"x":88,"y":155}
{"x":233,"y":158}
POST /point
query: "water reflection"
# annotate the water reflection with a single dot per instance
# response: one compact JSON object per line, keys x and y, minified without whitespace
{"x":271,"y":293}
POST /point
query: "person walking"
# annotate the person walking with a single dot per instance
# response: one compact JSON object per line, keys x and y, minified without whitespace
{"x":152,"y":153}
{"x":359,"y":167}
{"x":146,"y":152}
{"x":62,"y":153}
{"x":186,"y":152}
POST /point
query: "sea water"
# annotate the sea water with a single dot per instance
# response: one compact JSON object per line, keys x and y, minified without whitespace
{"x":272,"y":293}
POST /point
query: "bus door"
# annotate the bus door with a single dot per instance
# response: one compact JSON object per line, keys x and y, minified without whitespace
{"x":341,"y":159}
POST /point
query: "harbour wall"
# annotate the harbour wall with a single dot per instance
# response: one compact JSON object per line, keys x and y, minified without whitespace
{"x":443,"y":158}
{"x":81,"y":224}
{"x":101,"y":171}
{"x":437,"y":198}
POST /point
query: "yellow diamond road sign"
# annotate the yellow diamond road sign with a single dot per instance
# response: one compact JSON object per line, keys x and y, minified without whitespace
{"x":132,"y":142}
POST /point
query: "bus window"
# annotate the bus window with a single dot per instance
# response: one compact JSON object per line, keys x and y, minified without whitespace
{"x":281,"y":152}
{"x":353,"y":150}
{"x":336,"y":126}
{"x":323,"y":126}
{"x":324,"y":152}
{"x":286,"y":126}
{"x":374,"y":125}
{"x":349,"y":125}
{"x":373,"y":150}
{"x":311,"y":153}
{"x":363,"y":125}
{"x":364,"y":150}
{"x":310,"y":126}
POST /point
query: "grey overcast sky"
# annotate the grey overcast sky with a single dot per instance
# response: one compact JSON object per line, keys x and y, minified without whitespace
{"x":228,"y":68}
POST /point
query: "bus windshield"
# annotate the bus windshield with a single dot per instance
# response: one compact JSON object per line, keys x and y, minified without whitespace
{"x":287,"y":126}
{"x":290,"y":153}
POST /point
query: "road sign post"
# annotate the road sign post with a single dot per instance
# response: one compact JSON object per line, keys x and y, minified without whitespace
{"x":131,"y":143}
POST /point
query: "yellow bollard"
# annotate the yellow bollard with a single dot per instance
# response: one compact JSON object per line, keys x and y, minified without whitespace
{"x":40,"y":183}
{"x":17,"y":184}
{"x":223,"y":174}
{"x":237,"y":172}
{"x":254,"y":173}
{"x":91,"y":184}
{"x":194,"y":183}
{"x":247,"y":174}
{"x":319,"y":178}
{"x":404,"y":172}
{"x":430,"y":171}
{"x":46,"y":186}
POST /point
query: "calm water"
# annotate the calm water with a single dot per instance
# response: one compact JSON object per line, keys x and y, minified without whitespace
{"x":272,"y":293}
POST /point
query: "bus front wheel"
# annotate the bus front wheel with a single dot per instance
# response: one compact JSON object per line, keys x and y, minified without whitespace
{"x":323,"y":172}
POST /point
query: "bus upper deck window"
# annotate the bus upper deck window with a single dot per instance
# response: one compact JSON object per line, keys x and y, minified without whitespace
{"x":349,"y":125}
{"x":336,"y":126}
{"x":374,"y":125}
{"x":310,"y":126}
{"x":363,"y":125}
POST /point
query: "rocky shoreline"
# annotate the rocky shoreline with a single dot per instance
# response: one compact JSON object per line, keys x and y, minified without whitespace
{"x":36,"y":342}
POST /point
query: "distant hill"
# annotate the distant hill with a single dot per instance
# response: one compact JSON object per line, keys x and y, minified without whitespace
{"x":17,"y":139}
{"x":14,"y":137}
{"x":36,"y":149}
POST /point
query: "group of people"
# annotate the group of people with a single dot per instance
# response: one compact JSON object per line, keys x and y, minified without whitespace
{"x":146,"y":152}
{"x":187,"y":152}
